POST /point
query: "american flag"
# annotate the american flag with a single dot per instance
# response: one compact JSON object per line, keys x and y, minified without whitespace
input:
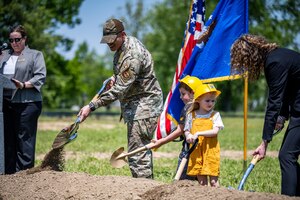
{"x":212,"y":62}
{"x":194,"y":29}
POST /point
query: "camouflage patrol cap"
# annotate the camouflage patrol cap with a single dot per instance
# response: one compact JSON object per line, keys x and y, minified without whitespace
{"x":111,"y":29}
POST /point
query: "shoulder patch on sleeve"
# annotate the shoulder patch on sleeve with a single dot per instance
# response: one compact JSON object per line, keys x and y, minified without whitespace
{"x":125,"y":72}
{"x":126,"y":75}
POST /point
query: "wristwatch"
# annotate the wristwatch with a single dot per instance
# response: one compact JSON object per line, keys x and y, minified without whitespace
{"x":92,"y":106}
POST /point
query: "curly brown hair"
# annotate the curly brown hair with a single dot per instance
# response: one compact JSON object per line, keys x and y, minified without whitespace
{"x":248,"y":54}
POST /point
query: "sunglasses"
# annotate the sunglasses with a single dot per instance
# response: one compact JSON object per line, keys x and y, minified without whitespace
{"x":11,"y":40}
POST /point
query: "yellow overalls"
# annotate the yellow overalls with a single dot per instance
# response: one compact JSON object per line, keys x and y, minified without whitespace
{"x":205,"y":159}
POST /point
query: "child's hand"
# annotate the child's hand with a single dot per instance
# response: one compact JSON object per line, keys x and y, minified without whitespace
{"x":195,"y":137}
{"x":190,"y":138}
{"x":156,"y":143}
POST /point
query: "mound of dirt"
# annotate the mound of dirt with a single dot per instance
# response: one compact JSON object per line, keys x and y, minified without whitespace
{"x":62,"y":185}
{"x":65,"y":185}
{"x":192,"y":190}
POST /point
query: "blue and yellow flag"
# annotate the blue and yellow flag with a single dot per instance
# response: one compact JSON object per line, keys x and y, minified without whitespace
{"x":211,"y":62}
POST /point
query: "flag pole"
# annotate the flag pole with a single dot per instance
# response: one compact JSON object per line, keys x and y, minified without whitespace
{"x":245,"y":102}
{"x":245,"y":120}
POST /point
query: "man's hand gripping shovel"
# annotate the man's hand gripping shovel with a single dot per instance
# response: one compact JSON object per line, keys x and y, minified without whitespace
{"x":69,"y":133}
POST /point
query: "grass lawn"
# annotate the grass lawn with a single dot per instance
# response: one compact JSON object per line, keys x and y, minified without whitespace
{"x":106,"y":134}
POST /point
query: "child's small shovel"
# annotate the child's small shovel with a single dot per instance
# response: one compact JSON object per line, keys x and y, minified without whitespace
{"x":117,"y":159}
{"x":185,"y":159}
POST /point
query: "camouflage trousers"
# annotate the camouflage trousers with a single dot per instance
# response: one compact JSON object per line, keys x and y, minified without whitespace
{"x":140,"y":133}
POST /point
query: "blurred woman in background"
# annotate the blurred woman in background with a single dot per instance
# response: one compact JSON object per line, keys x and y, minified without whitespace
{"x":22,"y":106}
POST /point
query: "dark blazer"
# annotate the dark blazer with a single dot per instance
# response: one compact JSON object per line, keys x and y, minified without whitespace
{"x":282,"y":72}
{"x":30,"y":67}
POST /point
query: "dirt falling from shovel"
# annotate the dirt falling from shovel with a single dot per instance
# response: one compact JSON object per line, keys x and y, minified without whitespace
{"x":53,"y":160}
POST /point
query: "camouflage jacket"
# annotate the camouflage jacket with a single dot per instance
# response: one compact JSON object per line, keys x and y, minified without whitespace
{"x":136,"y":85}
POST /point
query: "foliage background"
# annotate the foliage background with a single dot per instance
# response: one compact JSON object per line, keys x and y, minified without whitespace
{"x":75,"y":81}
{"x":99,"y":137}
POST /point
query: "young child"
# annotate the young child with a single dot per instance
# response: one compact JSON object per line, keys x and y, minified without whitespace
{"x":204,"y":123}
{"x":187,"y":85}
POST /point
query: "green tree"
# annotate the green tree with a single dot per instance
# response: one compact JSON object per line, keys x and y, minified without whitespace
{"x":167,"y":21}
{"x":41,"y":18}
{"x":55,"y":80}
{"x":276,"y":20}
{"x":83,"y":77}
{"x":94,"y":71}
{"x":135,"y":22}
{"x":161,"y":30}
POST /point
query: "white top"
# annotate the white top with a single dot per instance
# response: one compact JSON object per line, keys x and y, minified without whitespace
{"x":217,"y":120}
{"x":10,"y":65}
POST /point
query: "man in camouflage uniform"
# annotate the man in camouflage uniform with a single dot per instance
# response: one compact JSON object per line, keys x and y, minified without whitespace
{"x":135,"y":85}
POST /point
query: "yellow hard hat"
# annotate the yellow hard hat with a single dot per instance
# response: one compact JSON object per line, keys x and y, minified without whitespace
{"x":191,"y":81}
{"x":205,"y":88}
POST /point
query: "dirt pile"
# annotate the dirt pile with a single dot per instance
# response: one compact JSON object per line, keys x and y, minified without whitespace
{"x":53,"y":160}
{"x":65,"y":185}
{"x":192,"y":190}
{"x":61,"y":185}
